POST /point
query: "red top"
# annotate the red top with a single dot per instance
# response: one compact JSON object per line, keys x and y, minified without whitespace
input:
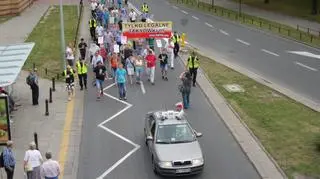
{"x":151,"y":60}
{"x":103,"y":53}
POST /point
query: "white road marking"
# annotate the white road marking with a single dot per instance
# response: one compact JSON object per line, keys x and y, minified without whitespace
{"x":209,"y":25}
{"x":184,"y":12}
{"x":142,"y":87}
{"x":243,"y":42}
{"x":224,"y":32}
{"x":306,"y":54}
{"x":101,"y":125}
{"x":175,"y":7}
{"x":305,"y":66}
{"x":271,"y":53}
{"x":195,"y":17}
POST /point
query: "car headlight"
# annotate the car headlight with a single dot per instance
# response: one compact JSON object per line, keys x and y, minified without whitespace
{"x":198,"y":161}
{"x":165,"y":164}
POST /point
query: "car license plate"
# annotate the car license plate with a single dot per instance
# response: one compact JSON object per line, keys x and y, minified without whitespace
{"x":185,"y":170}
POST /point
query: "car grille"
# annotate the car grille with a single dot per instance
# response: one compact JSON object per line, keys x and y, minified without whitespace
{"x":181,"y":163}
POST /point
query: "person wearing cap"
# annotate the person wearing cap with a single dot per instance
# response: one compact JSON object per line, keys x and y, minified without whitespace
{"x":50,"y":169}
{"x":32,"y":162}
{"x":82,"y":48}
{"x":193,"y":65}
{"x":82,"y":70}
{"x":9,"y":160}
{"x":69,"y":75}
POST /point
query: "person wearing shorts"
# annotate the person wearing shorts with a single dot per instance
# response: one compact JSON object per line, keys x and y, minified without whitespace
{"x":163,"y":57}
{"x":139,"y":68}
{"x":130,"y":67}
{"x":101,"y":73}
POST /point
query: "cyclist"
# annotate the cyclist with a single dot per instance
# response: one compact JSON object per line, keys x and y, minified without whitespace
{"x":69,"y":75}
{"x":101,"y":73}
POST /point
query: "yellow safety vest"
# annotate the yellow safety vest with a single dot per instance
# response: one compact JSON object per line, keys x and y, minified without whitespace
{"x":145,"y":8}
{"x":175,"y":39}
{"x":65,"y":72}
{"x":83,"y":69}
{"x":193,"y":62}
{"x":93,"y":23}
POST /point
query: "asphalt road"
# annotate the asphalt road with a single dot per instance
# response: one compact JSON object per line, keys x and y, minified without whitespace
{"x":261,"y":53}
{"x":100,"y":149}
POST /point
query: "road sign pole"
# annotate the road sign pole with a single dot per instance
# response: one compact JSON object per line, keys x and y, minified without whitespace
{"x":62,"y":36}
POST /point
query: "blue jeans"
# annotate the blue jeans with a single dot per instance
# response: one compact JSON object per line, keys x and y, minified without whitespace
{"x":99,"y":84}
{"x":186,"y":100}
{"x":122,"y":90}
{"x":139,"y":71}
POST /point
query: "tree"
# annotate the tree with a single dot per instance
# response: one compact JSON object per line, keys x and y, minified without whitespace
{"x":314,"y":10}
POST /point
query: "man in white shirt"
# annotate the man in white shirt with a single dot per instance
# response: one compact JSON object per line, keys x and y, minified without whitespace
{"x":133,"y":16}
{"x":50,"y":169}
{"x":99,"y":30}
{"x":95,"y":59}
{"x":170,"y":46}
{"x":94,"y":5}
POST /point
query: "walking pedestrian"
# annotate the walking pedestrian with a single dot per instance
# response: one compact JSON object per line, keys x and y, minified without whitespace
{"x":185,"y":88}
{"x":94,"y":6}
{"x":82,"y":48}
{"x":9,"y":160}
{"x":170,"y":49}
{"x":50,"y":169}
{"x":139,"y":68}
{"x":96,"y":59}
{"x":130,"y":67}
{"x":32,"y":81}
{"x":82,"y":69}
{"x":93,"y":26}
{"x":32,"y":162}
{"x":176,"y":40}
{"x":163,"y":57}
{"x":151,"y":66}
{"x":69,"y":75}
{"x":193,"y":65}
{"x":133,"y":16}
{"x":114,"y":63}
{"x":121,"y":78}
{"x":70,"y":54}
{"x":101,"y":73}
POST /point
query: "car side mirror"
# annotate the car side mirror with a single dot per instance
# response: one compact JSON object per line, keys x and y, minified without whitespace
{"x":149,"y":138}
{"x":198,"y":134}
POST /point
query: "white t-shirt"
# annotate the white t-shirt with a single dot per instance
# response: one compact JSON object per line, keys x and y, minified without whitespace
{"x":33,"y":157}
{"x":133,"y":15}
{"x":69,"y":53}
{"x":95,"y":60}
{"x":94,"y":5}
{"x":99,"y":31}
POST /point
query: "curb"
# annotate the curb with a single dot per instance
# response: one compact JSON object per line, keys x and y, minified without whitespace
{"x":261,"y":170}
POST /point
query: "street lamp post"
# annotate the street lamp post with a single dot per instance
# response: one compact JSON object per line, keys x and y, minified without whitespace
{"x":212,"y":3}
{"x":240,"y":7}
{"x":62,"y":36}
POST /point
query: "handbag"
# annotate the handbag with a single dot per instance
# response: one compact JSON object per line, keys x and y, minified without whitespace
{"x":28,"y":168}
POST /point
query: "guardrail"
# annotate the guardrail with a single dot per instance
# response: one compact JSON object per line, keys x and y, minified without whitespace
{"x":289,"y":32}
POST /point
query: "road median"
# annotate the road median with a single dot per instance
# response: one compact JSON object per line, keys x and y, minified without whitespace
{"x":282,"y":30}
{"x":288,"y":130}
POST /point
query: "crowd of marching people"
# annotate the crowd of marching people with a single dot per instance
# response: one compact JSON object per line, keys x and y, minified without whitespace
{"x":114,"y":57}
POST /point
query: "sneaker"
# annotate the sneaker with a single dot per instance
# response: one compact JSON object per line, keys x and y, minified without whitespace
{"x":163,"y":77}
{"x":81,"y":89}
{"x":125,"y":98}
{"x":166,"y":78}
{"x":172,"y":68}
{"x":152,"y":83}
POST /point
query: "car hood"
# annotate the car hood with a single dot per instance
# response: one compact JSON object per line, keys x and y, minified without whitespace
{"x":180,"y":151}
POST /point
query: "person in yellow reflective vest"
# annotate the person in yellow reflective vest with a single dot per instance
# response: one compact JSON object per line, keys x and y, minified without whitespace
{"x":82,"y":70}
{"x":145,"y":8}
{"x":176,"y":40}
{"x":69,"y":75}
{"x":193,"y":65}
{"x":92,"y":26}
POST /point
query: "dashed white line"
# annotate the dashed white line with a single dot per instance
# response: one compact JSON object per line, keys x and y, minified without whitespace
{"x":224,"y":32}
{"x":195,"y":17}
{"x":243,"y":42}
{"x":175,"y":7}
{"x":184,"y":12}
{"x":305,"y":66}
{"x":268,"y":52}
{"x":142,"y":87}
{"x":209,"y":25}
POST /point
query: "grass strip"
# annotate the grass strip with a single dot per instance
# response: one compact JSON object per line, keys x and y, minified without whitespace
{"x":46,"y":53}
{"x":253,"y":21}
{"x":288,"y":130}
{"x":5,"y":18}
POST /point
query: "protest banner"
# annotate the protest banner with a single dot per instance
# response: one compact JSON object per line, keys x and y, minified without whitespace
{"x":159,"y":29}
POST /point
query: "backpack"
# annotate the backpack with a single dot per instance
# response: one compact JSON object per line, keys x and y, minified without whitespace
{"x":1,"y":160}
{"x":29,"y":80}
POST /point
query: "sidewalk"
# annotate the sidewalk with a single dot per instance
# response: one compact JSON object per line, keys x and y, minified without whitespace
{"x":29,"y":119}
{"x":272,"y":16}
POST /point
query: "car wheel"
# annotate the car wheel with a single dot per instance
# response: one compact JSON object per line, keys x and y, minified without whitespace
{"x":154,"y":166}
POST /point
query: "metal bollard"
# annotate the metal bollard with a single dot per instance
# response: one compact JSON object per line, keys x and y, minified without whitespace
{"x":50,"y":95}
{"x":33,"y":66}
{"x":58,"y":76}
{"x":35,"y":135}
{"x":53,"y":84}
{"x":47,"y":108}
{"x":46,"y":71}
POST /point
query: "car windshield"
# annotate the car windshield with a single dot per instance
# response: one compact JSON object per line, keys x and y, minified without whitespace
{"x":174,"y":133}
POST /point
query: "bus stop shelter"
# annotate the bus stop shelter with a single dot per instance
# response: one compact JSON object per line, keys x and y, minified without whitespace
{"x":12,"y":59}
